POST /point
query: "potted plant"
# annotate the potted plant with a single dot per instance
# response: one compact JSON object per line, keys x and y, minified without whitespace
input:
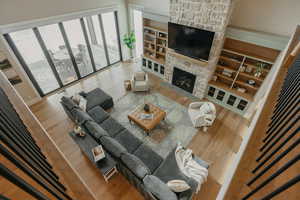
{"x":129,"y":41}
{"x":259,"y":69}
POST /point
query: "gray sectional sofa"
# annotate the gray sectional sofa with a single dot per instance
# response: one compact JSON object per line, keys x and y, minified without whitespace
{"x":142,"y":167}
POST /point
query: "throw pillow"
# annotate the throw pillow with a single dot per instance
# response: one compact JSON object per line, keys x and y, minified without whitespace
{"x":178,"y":185}
{"x":82,"y":103}
{"x":76,"y":98}
{"x":158,"y":188}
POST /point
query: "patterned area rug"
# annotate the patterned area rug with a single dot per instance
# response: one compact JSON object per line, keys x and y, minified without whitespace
{"x":177,"y":126}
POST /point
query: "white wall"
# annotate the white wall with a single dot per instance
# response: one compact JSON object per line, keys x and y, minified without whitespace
{"x":272,"y":16}
{"x":12,"y":11}
{"x":160,"y":7}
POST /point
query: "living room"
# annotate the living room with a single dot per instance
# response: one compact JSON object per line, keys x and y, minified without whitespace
{"x":148,"y":84}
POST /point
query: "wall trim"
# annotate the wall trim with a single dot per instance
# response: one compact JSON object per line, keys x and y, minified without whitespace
{"x":54,"y":19}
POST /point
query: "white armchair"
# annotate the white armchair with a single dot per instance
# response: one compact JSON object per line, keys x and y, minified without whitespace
{"x":140,"y":82}
{"x":202,"y":114}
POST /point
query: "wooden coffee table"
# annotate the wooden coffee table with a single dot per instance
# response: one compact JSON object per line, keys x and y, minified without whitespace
{"x":147,"y":124}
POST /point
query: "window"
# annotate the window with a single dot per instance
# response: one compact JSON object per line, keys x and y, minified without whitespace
{"x":94,"y":31}
{"x":27,"y":45}
{"x":79,"y":47}
{"x":58,"y":51}
{"x":58,"y":54}
{"x":111,"y":36}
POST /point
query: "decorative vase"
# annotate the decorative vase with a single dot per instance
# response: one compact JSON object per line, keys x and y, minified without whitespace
{"x":78,"y":131}
{"x":257,"y":74}
{"x":146,"y":108}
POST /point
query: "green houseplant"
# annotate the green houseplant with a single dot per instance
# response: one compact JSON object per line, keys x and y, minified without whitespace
{"x":259,"y":69}
{"x":129,"y":40}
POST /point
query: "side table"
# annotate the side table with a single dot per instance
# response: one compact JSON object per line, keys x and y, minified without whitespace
{"x":107,"y":165}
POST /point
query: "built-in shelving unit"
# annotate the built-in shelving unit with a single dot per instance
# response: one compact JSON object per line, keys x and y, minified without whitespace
{"x":241,"y":70}
{"x":155,"y":46}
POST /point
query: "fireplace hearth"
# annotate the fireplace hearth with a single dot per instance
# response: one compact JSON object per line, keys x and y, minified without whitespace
{"x":183,"y":80}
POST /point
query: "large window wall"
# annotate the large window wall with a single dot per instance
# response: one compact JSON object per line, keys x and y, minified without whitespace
{"x":56,"y":55}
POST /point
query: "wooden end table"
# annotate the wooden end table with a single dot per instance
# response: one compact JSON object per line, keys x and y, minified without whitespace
{"x":107,"y":165}
{"x":147,"y":124}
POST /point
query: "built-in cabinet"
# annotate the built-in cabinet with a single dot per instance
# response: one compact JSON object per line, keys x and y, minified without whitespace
{"x":227,"y":99}
{"x":239,"y":75}
{"x":155,"y":47}
{"x":153,"y":67}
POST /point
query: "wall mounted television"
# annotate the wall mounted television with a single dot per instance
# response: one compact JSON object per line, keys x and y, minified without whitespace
{"x":192,"y":42}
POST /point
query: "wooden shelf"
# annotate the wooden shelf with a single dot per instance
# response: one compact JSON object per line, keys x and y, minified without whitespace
{"x":231,"y":59}
{"x":161,"y":38}
{"x":150,"y":35}
{"x":188,"y":59}
{"x":234,"y":56}
{"x":153,"y":27}
{"x":226,"y":67}
{"x":251,"y":76}
{"x":158,"y":60}
{"x":160,"y":53}
{"x":150,"y":42}
{"x":224,"y":77}
{"x":246,"y":85}
{"x":148,"y":49}
{"x":159,"y":45}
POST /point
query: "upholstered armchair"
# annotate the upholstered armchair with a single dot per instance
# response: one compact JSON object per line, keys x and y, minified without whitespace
{"x":202,"y":114}
{"x":140,"y":82}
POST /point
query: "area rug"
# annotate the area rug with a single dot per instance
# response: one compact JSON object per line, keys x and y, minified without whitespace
{"x":176,"y":128}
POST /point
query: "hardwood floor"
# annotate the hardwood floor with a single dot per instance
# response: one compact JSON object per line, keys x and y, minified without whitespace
{"x":218,"y":145}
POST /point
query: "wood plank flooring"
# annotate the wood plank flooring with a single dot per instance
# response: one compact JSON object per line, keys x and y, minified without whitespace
{"x":218,"y":145}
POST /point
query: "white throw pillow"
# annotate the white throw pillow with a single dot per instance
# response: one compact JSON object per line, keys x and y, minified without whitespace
{"x":76,"y":98}
{"x":82,"y":103}
{"x":178,"y":185}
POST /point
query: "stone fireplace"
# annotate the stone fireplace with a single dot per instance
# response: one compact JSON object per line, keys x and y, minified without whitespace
{"x":211,"y":15}
{"x":184,"y":80}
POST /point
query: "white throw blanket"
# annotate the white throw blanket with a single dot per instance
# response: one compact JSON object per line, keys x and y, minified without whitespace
{"x":189,"y":166}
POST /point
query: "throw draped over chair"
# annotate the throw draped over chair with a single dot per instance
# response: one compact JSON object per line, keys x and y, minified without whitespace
{"x":202,"y":114}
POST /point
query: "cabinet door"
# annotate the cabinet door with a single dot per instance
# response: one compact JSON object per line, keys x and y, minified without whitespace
{"x":149,"y":64}
{"x":211,"y":91}
{"x":162,"y":70}
{"x":220,"y":95}
{"x":155,"y":67}
{"x":231,"y":100}
{"x":242,"y":105}
{"x":144,"y":62}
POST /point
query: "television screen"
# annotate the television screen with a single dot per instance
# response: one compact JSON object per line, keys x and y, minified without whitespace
{"x":192,"y":42}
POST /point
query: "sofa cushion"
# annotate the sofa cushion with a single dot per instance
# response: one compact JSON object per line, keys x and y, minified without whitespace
{"x":140,"y":76}
{"x":112,"y":146}
{"x":129,"y":141}
{"x":80,"y":116}
{"x":158,"y":188}
{"x":135,"y":165}
{"x":98,"y":114}
{"x":98,"y":97}
{"x":95,"y":130}
{"x":112,"y":126}
{"x":149,"y":157}
{"x":68,"y":103}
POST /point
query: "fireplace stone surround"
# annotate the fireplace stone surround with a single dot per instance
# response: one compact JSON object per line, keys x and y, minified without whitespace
{"x":211,"y":15}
